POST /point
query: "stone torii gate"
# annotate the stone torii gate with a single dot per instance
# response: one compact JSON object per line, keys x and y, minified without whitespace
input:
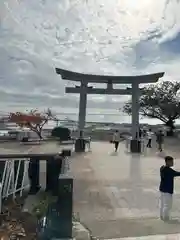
{"x":84,"y":89}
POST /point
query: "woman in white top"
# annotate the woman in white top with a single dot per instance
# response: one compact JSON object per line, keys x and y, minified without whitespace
{"x":149,"y":137}
{"x":116,"y":140}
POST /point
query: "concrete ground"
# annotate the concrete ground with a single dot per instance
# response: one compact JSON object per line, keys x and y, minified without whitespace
{"x":116,"y":195}
{"x":153,"y":237}
{"x":44,"y":147}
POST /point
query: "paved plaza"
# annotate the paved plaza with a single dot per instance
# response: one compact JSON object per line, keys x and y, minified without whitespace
{"x":44,"y":147}
{"x":116,"y":195}
{"x":153,"y":237}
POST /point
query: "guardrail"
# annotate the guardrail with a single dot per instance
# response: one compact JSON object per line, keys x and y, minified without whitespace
{"x":21,"y":171}
{"x":128,"y":142}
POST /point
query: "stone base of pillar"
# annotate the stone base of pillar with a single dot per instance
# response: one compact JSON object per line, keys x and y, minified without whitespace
{"x":80,"y":145}
{"x":135,"y":146}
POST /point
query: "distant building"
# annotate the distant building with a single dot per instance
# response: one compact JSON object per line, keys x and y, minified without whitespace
{"x":3,"y":125}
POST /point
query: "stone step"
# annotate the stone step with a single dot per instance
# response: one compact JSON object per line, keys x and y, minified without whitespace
{"x":152,"y":237}
{"x":31,"y":201}
{"x":135,"y":228}
{"x":79,"y":232}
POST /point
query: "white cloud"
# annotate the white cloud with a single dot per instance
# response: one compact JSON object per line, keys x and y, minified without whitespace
{"x":97,"y":36}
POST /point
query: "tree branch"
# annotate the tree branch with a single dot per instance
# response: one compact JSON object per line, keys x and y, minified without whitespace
{"x":153,"y":114}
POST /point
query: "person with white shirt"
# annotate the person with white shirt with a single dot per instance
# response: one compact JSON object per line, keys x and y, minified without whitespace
{"x":116,"y":140}
{"x":89,"y":143}
{"x":149,"y":138}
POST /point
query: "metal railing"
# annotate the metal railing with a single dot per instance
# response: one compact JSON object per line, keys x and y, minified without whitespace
{"x":10,"y":179}
{"x":142,"y":141}
{"x":14,"y":175}
{"x":10,"y":172}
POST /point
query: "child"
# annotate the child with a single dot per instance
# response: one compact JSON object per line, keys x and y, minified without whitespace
{"x":166,"y":187}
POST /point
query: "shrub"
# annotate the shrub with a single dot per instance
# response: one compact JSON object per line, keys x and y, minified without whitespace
{"x":61,"y":132}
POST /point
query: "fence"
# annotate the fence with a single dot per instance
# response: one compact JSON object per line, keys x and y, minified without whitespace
{"x":128,"y":144}
{"x":21,"y":171}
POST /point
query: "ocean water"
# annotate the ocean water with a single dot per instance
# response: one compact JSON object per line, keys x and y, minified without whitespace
{"x":109,"y":118}
{"x":92,"y":114}
{"x":104,"y":115}
{"x":3,"y":132}
{"x":95,"y":115}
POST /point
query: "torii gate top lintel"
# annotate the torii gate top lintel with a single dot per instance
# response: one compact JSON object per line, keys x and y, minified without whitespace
{"x":75,"y":76}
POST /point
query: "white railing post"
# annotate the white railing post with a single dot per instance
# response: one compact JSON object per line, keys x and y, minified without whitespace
{"x":26,"y":165}
{"x":16,"y":179}
{"x":6,"y":176}
{"x":10,"y":178}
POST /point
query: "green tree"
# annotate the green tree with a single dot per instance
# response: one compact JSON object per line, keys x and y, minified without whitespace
{"x":61,"y":132}
{"x":160,"y":101}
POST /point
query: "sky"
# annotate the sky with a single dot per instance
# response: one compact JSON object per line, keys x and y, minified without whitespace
{"x":118,"y":37}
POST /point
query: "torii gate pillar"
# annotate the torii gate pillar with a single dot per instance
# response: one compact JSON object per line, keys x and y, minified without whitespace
{"x":135,"y":141}
{"x":82,"y":108}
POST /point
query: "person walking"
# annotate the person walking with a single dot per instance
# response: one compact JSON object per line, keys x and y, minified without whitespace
{"x":144,"y":133}
{"x":116,"y":140}
{"x":160,"y":140}
{"x":140,"y":133}
{"x":89,"y":143}
{"x":166,"y":187}
{"x":149,"y":137}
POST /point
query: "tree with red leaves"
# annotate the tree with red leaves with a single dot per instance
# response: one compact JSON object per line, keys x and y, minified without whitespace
{"x":34,"y":120}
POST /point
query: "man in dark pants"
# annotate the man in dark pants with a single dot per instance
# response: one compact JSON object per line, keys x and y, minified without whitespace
{"x":149,"y":137}
{"x":160,"y":140}
{"x":166,"y":187}
{"x":116,"y":140}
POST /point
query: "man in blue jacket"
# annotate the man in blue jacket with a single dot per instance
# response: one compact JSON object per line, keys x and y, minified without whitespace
{"x":166,"y":187}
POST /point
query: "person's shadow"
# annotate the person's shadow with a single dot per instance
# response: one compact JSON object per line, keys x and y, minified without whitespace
{"x":113,"y":153}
